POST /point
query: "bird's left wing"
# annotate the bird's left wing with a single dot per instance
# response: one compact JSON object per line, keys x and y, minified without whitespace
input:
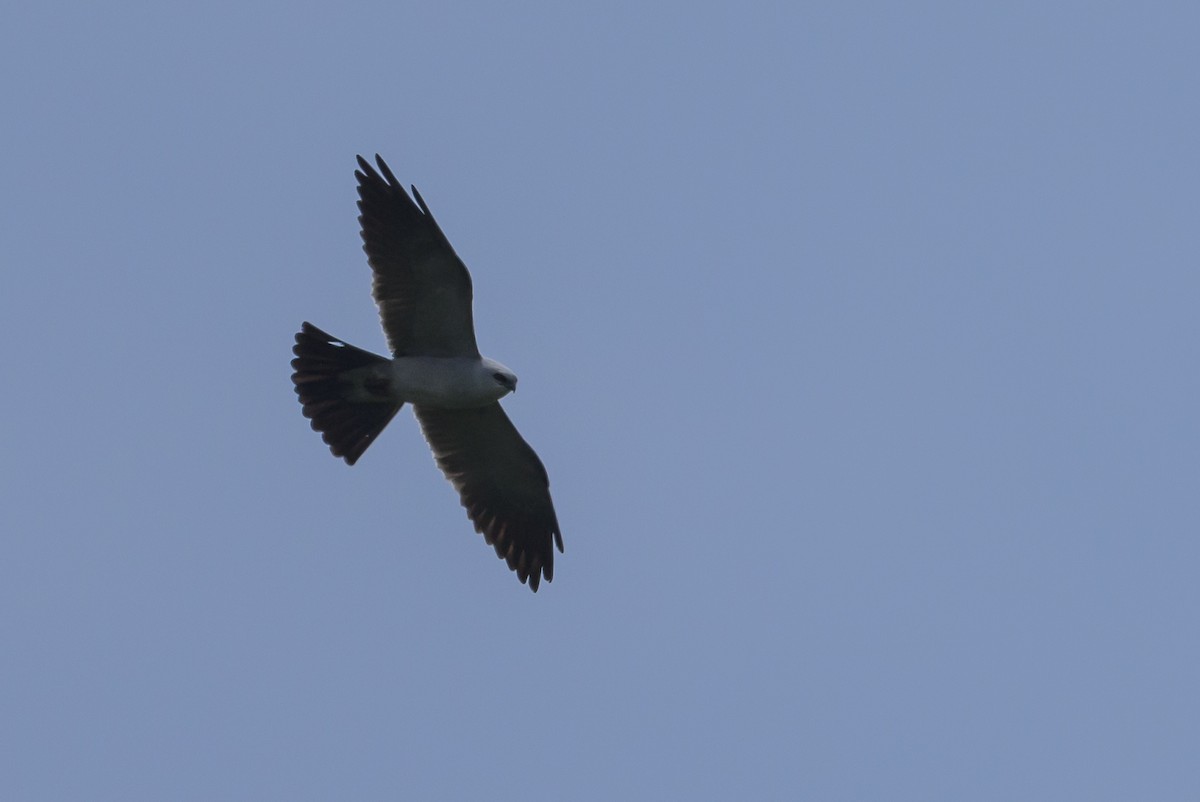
{"x":502,"y":483}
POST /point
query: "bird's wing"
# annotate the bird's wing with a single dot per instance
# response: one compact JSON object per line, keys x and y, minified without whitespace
{"x":502,"y":484}
{"x":421,"y":286}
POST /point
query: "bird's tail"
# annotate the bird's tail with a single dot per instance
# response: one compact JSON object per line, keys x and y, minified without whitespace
{"x":321,"y":365}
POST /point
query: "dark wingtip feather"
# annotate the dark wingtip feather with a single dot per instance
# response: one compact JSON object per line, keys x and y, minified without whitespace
{"x":386,"y":171}
{"x":421,"y":202}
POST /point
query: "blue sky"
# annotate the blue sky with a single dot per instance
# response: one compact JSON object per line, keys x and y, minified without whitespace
{"x":859,"y":340}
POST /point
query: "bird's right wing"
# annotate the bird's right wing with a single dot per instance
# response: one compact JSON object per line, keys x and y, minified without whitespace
{"x":422,"y":288}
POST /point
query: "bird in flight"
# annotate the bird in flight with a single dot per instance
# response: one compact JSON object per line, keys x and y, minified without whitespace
{"x":423,"y":292}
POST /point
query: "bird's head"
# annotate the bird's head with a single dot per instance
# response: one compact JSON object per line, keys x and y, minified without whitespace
{"x":505,"y":379}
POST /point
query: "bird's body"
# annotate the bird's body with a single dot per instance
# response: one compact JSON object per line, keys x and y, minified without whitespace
{"x":448,"y":382}
{"x":424,"y":295}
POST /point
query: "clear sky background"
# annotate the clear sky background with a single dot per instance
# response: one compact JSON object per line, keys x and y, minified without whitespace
{"x":860,"y":342}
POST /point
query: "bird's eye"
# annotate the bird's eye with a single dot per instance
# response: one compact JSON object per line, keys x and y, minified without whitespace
{"x":498,"y":377}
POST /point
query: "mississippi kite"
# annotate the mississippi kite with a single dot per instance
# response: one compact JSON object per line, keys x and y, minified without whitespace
{"x":423,"y":291}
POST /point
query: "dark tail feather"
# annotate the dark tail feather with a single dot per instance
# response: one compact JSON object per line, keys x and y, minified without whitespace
{"x":321,"y":362}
